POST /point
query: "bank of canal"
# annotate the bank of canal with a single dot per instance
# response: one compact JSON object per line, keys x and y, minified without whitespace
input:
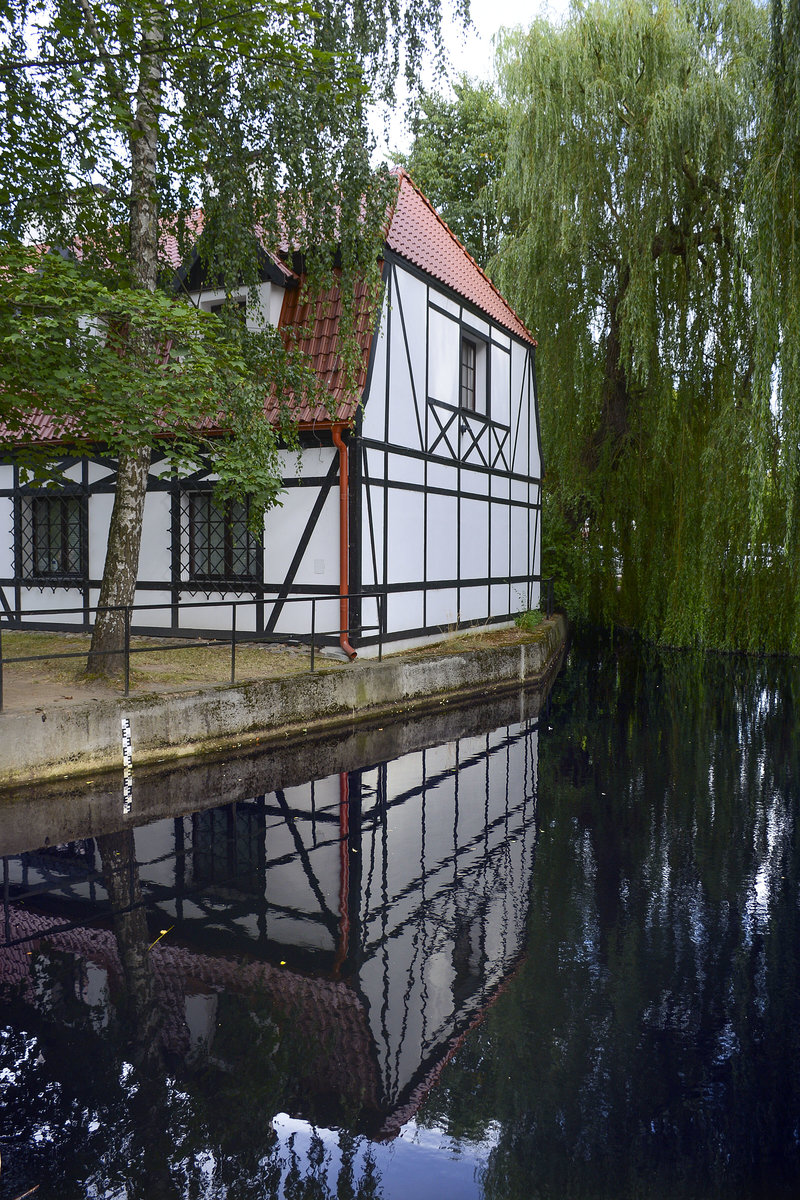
{"x":58,"y":739}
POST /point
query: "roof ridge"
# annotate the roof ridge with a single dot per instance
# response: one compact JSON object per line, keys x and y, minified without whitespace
{"x":402,"y":173}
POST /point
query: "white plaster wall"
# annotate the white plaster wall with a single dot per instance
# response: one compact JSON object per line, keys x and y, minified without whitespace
{"x":475,"y":323}
{"x":53,"y":602}
{"x":211,"y":610}
{"x":442,"y":475}
{"x":500,"y":600}
{"x":406,"y":512}
{"x":520,"y":556}
{"x":442,"y":544}
{"x":265,"y":309}
{"x":99,"y":520}
{"x":472,"y":604}
{"x":154,"y":554}
{"x":374,"y":417}
{"x":407,"y":378}
{"x":519,"y":420}
{"x":296,"y":616}
{"x":474,"y":539}
{"x":535,"y":450}
{"x":97,"y":471}
{"x":312,"y":463}
{"x":443,"y":301}
{"x":410,"y":470}
{"x":283,"y":529}
{"x":500,"y":520}
{"x":6,"y":533}
{"x":520,"y":490}
{"x":376,"y":505}
{"x":443,"y":358}
{"x":404,"y":610}
{"x":501,"y":376}
{"x":474,"y":482}
{"x":159,"y":617}
{"x":442,"y":610}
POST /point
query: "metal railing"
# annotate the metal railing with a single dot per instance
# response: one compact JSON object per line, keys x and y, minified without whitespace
{"x":19,"y":620}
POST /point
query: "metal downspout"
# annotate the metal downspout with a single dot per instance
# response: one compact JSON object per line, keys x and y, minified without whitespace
{"x":344,"y":544}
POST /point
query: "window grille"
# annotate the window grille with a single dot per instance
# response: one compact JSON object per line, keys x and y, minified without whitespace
{"x":52,"y":538}
{"x":468,"y":372}
{"x":221,"y":547}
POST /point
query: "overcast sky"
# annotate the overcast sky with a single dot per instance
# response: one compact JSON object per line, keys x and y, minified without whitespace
{"x":471,"y":51}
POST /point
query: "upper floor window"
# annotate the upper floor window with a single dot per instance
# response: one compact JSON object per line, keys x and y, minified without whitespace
{"x":467,"y":390}
{"x":221,"y":546}
{"x":52,"y":537}
{"x":236,"y":304}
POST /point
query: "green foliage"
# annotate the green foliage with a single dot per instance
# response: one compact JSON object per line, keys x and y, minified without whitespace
{"x":457,"y":159}
{"x":86,"y":356}
{"x":632,"y":140}
{"x":774,"y":212}
{"x":529,"y":620}
{"x":133,"y":133}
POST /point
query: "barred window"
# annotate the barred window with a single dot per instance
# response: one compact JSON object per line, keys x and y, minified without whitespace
{"x":52,"y":537}
{"x":221,"y":546}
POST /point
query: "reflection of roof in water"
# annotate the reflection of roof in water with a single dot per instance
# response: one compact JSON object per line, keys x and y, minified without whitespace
{"x":328,"y":1012}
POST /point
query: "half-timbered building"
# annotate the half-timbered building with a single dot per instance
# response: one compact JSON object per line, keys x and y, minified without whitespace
{"x":416,"y":499}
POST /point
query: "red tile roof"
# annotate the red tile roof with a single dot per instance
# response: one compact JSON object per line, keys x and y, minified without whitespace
{"x":312,"y":325}
{"x":194,"y":221}
{"x":418,"y":234}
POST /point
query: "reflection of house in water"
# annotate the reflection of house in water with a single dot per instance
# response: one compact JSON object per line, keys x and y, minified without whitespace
{"x":379,"y":911}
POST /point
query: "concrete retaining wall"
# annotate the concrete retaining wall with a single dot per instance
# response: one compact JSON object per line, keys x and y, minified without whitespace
{"x":58,"y":741}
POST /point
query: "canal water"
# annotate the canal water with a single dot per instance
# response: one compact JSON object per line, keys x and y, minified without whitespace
{"x":510,"y":952}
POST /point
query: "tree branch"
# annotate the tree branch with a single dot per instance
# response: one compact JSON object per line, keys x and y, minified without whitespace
{"x":114,"y":82}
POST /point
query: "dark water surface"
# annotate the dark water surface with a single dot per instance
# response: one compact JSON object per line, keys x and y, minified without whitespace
{"x":526,"y":955}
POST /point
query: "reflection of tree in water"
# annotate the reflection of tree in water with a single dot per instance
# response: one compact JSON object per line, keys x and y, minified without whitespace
{"x":138,"y":1003}
{"x":113,"y":1111}
{"x":651,"y":1043}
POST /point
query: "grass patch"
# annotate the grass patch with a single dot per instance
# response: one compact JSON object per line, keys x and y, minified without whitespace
{"x":481,"y":639}
{"x":156,"y":663}
{"x":529,"y":620}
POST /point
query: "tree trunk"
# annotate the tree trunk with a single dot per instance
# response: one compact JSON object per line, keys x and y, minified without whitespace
{"x":118,"y":589}
{"x":139,"y":1003}
{"x":125,"y":533}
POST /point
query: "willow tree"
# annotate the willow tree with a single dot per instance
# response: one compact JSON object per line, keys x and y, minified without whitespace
{"x":632,"y":130}
{"x":774,"y":215}
{"x":120,"y":118}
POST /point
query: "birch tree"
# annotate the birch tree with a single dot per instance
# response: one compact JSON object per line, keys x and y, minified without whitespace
{"x":115,"y":116}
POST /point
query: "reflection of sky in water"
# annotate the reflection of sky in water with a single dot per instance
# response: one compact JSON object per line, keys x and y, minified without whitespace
{"x":771,"y":832}
{"x":423,"y":1163}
